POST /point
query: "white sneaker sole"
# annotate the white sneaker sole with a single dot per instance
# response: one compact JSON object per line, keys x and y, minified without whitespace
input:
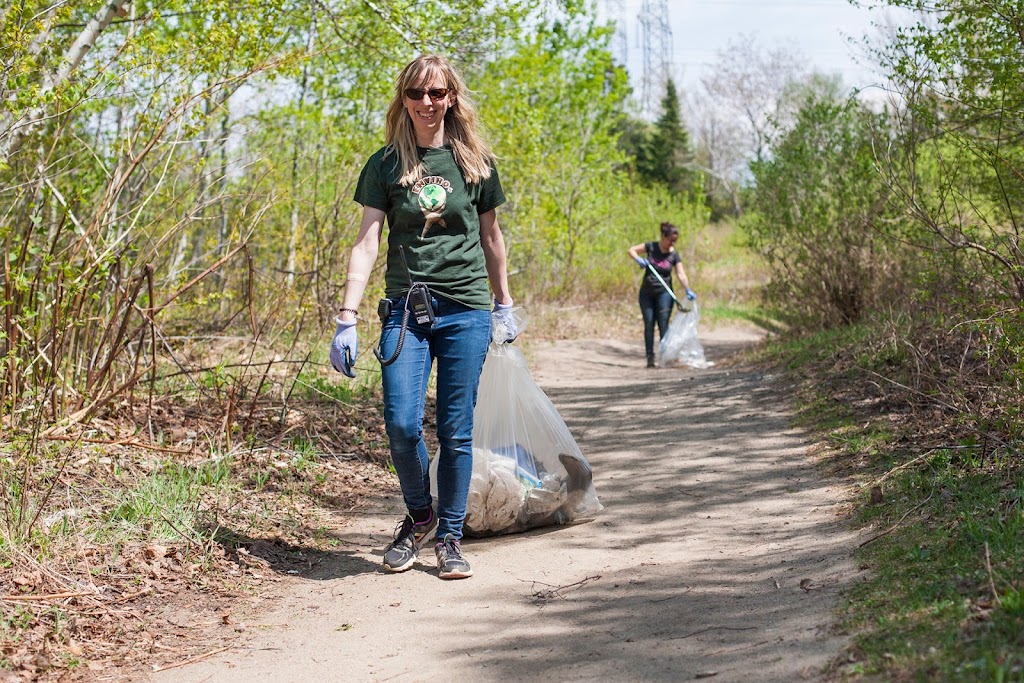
{"x":456,"y":574}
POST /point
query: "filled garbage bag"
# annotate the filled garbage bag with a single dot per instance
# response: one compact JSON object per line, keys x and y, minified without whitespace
{"x":528,"y":470}
{"x":680,"y":345}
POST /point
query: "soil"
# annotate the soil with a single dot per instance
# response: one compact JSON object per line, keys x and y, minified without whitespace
{"x":720,"y":553}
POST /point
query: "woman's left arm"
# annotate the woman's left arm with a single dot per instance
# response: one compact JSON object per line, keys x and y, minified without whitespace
{"x":493,"y":243}
{"x":681,"y":274}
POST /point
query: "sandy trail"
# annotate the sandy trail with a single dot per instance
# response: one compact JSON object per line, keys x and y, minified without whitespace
{"x":719,"y":553}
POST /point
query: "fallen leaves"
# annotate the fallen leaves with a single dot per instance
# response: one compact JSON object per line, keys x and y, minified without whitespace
{"x":143,"y":601}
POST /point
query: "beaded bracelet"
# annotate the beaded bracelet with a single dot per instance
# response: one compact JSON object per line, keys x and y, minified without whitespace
{"x":353,"y":311}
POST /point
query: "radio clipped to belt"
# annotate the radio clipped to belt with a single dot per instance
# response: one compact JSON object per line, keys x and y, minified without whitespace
{"x":417,"y":301}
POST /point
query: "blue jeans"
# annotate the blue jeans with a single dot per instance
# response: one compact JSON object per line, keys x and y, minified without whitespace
{"x":458,"y":341}
{"x":656,"y":306}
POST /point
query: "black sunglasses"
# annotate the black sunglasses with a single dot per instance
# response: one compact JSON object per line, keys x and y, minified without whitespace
{"x":417,"y":93}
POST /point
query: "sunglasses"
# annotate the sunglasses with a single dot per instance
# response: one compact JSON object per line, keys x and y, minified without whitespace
{"x":416,"y":94}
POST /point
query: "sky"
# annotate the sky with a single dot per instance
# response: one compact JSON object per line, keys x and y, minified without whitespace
{"x":819,"y":30}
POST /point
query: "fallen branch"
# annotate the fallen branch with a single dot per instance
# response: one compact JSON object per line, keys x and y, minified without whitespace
{"x":50,"y":596}
{"x":929,"y":398}
{"x":897,"y":524}
{"x":714,"y":628}
{"x":120,"y":442}
{"x":991,"y":582}
{"x":190,"y":660}
{"x":901,"y":467}
{"x":558,"y":591}
{"x":730,"y":650}
{"x":132,"y":596}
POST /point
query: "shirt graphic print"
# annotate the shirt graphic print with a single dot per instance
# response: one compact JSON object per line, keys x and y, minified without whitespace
{"x":663,"y":262}
{"x":432,"y":197}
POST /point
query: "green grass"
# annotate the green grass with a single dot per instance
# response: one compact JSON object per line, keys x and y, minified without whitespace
{"x":165,"y":505}
{"x":317,"y":385}
{"x":932,"y":609}
{"x":721,"y":266}
{"x":944,"y":545}
{"x":718,"y":312}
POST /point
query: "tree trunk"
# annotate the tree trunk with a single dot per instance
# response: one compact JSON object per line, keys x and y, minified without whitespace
{"x":293,"y":235}
{"x":14,"y":133}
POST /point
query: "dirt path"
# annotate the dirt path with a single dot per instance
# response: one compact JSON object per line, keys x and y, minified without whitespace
{"x":718,"y":555}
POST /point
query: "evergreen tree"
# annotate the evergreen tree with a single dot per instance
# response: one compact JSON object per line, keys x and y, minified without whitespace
{"x":664,"y":156}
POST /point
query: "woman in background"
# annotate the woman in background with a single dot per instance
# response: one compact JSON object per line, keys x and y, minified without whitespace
{"x":656,"y":297}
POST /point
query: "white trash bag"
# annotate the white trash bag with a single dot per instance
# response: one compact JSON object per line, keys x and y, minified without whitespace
{"x":528,"y":470}
{"x":680,"y":346}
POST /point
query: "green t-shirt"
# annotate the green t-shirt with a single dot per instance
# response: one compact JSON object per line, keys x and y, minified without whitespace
{"x":436,"y":220}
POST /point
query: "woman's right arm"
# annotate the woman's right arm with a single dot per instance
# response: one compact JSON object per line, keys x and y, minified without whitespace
{"x":634,"y":253}
{"x":361,"y":260}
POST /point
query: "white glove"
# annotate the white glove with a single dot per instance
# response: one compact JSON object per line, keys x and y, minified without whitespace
{"x":504,"y":323}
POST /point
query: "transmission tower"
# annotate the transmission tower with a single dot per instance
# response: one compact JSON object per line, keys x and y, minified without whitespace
{"x":655,"y":39}
{"x":616,"y":10}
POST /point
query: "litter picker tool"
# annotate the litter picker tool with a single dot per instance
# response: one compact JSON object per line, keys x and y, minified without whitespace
{"x":668,"y":289}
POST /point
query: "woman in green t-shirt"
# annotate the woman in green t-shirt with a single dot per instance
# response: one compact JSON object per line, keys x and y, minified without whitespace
{"x":435,"y":184}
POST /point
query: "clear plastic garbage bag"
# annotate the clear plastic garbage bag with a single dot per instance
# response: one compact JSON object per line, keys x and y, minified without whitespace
{"x":528,"y":470}
{"x":680,"y":345}
{"x":512,"y":326}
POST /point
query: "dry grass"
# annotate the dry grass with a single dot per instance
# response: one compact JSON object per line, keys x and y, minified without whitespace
{"x":119,"y":553}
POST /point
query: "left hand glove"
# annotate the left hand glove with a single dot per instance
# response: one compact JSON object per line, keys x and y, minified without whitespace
{"x":506,"y":328}
{"x":690,"y":295}
{"x":345,"y":347}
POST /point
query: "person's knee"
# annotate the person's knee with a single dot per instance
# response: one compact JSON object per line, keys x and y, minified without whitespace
{"x":454,"y":438}
{"x":403,"y":432}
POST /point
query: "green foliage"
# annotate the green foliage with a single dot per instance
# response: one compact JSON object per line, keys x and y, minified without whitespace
{"x":959,"y":168}
{"x":663,"y":154}
{"x":166,"y":504}
{"x":943,"y":525}
{"x":552,"y":103}
{"x":208,"y":190}
{"x":820,"y":209}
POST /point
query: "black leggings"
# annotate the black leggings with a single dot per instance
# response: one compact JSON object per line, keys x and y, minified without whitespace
{"x":656,"y":306}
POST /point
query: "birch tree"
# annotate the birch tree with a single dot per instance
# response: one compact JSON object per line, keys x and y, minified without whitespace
{"x":16,"y":125}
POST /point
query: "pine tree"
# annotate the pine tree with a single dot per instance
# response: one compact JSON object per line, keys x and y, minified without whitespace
{"x":664,"y":156}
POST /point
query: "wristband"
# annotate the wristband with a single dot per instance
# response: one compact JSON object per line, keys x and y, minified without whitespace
{"x":353,"y":311}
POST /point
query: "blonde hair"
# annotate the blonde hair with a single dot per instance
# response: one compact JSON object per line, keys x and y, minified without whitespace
{"x":472,"y":153}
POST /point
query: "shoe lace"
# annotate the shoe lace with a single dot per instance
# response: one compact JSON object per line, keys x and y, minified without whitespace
{"x":453,"y":549}
{"x":402,"y":531}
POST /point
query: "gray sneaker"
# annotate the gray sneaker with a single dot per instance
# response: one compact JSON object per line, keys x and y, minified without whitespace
{"x":450,"y":562}
{"x":409,"y":538}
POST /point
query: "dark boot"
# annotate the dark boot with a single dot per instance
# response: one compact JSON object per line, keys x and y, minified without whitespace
{"x":650,"y":362}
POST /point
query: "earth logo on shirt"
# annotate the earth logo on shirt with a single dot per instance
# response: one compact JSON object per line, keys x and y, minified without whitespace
{"x":432,"y":199}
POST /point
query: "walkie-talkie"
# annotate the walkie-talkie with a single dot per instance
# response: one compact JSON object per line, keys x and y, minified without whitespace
{"x":419,"y":296}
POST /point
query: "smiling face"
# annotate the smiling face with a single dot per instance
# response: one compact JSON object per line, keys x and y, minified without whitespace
{"x":427,"y":113}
